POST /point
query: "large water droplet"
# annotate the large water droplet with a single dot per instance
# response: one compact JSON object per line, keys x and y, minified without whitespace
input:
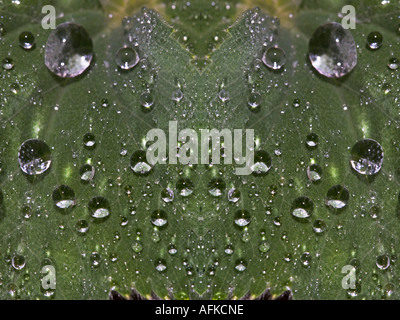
{"x":233,"y":195}
{"x":367,"y":157}
{"x":337,"y":197}
{"x":161,"y":265}
{"x":302,"y":207}
{"x":139,"y":163}
{"x":332,"y":50}
{"x":7,"y":63}
{"x":137,"y":246}
{"x":167,"y":195}
{"x":34,"y":157}
{"x":216,"y":187}
{"x":314,"y":173}
{"x":319,"y":226}
{"x":146,"y":100}
{"x":89,"y":141}
{"x":86,"y":173}
{"x":383,"y":261}
{"x":18,"y":262}
{"x":159,"y":218}
{"x":274,"y":58}
{"x":69,"y":50}
{"x":27,"y":40}
{"x":99,"y":208}
{"x":64,"y":197}
{"x":127,"y":58}
{"x":82,"y":226}
{"x":254,"y":101}
{"x":240,"y":265}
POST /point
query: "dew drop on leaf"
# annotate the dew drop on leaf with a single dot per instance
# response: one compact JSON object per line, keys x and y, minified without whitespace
{"x":27,"y":40}
{"x":99,"y":208}
{"x":374,"y":40}
{"x":240,"y":265}
{"x":185,"y":187}
{"x":254,"y":101}
{"x":159,"y":218}
{"x":319,"y":226}
{"x":262,"y":162}
{"x":18,"y":262}
{"x":69,"y":50}
{"x":146,"y":100}
{"x":7,"y":63}
{"x":82,"y":226}
{"x":86,"y":173}
{"x":34,"y":157}
{"x":332,"y":50}
{"x":160,"y":265}
{"x":216,"y":187}
{"x":383,"y":261}
{"x":302,"y":207}
{"x":314,"y":173}
{"x":366,"y":157}
{"x":312,"y":141}
{"x":127,"y":58}
{"x":167,"y":195}
{"x":64,"y":197}
{"x":337,"y":197}
{"x":139,"y":163}
{"x":242,"y":218}
{"x":89,"y":141}
{"x":233,"y":195}
{"x":274,"y":58}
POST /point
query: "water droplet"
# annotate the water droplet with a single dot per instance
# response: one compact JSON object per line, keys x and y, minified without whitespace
{"x":185,"y":187}
{"x":302,"y":207}
{"x":374,"y":40}
{"x":274,"y":58}
{"x":18,"y":262}
{"x":312,"y":141}
{"x":229,"y":250}
{"x":159,"y":218}
{"x":86,"y":173}
{"x":216,"y":187}
{"x":172,"y":249}
{"x":233,"y":195}
{"x":319,"y":226}
{"x":95,"y":260}
{"x":161,"y":265}
{"x":264,"y":247}
{"x":7,"y":63}
{"x":89,"y":141}
{"x":305,"y":259}
{"x":99,"y":208}
{"x":393,"y":64}
{"x":177,"y":95}
{"x":34,"y":157}
{"x":242,"y":218}
{"x":127,"y":58}
{"x":69,"y":50}
{"x":367,"y":157}
{"x":296,"y":103}
{"x":254,"y":101}
{"x":27,"y":40}
{"x":383,"y":261}
{"x":64,"y":197}
{"x":224,"y":95}
{"x":240,"y":265}
{"x":262,"y":162}
{"x":337,"y":197}
{"x":332,"y":50}
{"x":82,"y":226}
{"x":146,"y":100}
{"x":314,"y":173}
{"x":139,"y":163}
{"x":167,"y":195}
{"x":137,"y":246}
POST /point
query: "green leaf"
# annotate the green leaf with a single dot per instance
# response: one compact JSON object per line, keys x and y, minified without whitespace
{"x":214,"y":258}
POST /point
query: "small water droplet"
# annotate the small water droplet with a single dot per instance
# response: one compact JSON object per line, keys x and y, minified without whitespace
{"x":177,"y":95}
{"x":7,"y":63}
{"x":312,"y":141}
{"x":224,"y":95}
{"x":332,"y":50}
{"x":27,"y":40}
{"x":127,"y":58}
{"x":337,"y":197}
{"x":139,"y":163}
{"x":82,"y":226}
{"x":302,"y":207}
{"x":314,"y":173}
{"x":64,"y":197}
{"x":69,"y":50}
{"x":99,"y":208}
{"x":383,"y":261}
{"x":34,"y":157}
{"x":296,"y":103}
{"x":185,"y":187}
{"x":216,"y":187}
{"x":374,"y":40}
{"x":89,"y":141}
{"x":86,"y":173}
{"x":319,"y":226}
{"x":242,"y":218}
{"x":146,"y":100}
{"x":262,"y":163}
{"x":167,"y":195}
{"x":159,"y":218}
{"x":229,"y":250}
{"x":161,"y":265}
{"x":393,"y":64}
{"x":367,"y":157}
{"x":18,"y":262}
{"x":254,"y":101}
{"x":264,"y":247}
{"x":234,"y":195}
{"x":95,"y":260}
{"x":172,"y":249}
{"x":241,"y":265}
{"x":305,"y":259}
{"x":137,"y":246}
{"x":274,"y":58}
